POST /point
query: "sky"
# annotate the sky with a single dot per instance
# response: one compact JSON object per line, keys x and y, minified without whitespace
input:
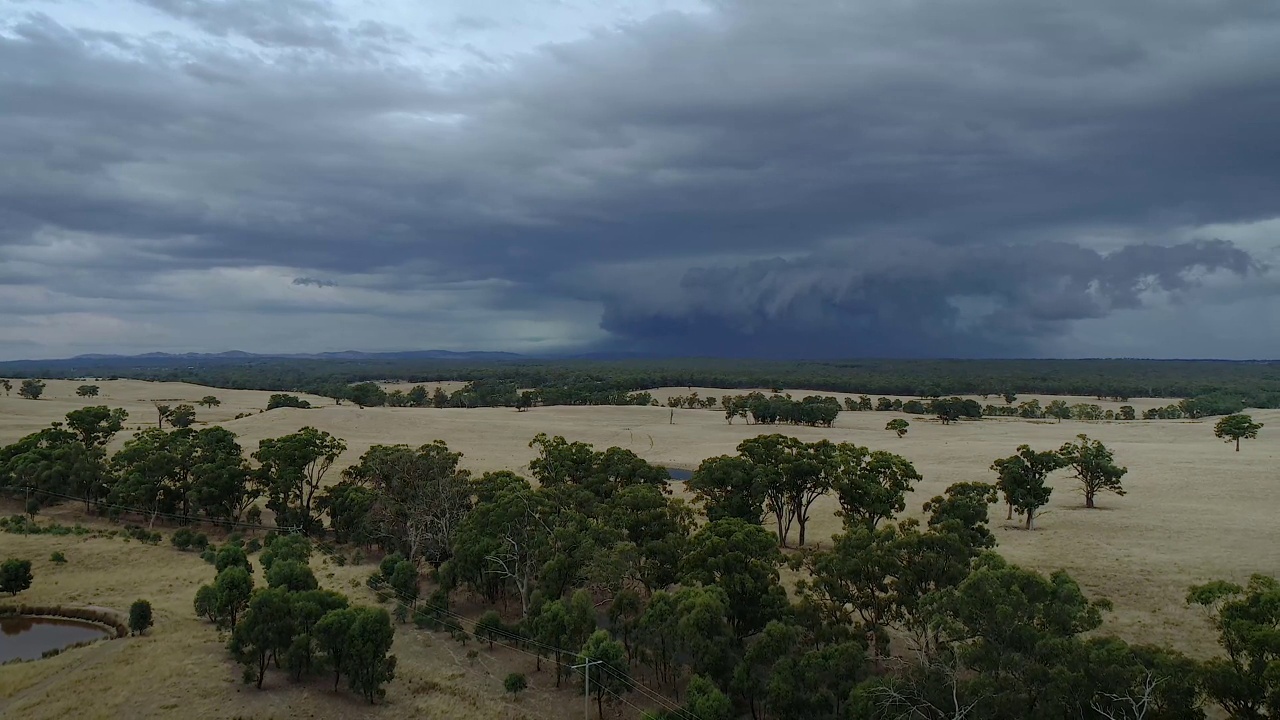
{"x":824,"y":178}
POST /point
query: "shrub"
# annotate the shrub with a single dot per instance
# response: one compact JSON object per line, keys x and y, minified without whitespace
{"x":57,"y":557}
{"x":15,"y":576}
{"x":280,"y":400}
{"x":388,"y":564}
{"x":181,"y":539}
{"x":515,"y":683}
{"x":253,"y":545}
{"x":139,"y":617}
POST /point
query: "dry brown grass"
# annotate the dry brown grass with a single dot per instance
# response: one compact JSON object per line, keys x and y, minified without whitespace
{"x":1196,"y":511}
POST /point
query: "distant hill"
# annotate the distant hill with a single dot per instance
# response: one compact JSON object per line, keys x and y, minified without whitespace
{"x":99,"y":361}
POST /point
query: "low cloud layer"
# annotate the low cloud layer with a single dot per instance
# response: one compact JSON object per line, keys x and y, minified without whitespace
{"x":726,"y":177}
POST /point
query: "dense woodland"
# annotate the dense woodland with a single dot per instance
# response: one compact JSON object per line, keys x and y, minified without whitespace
{"x":591,"y":562}
{"x":1219,"y":386}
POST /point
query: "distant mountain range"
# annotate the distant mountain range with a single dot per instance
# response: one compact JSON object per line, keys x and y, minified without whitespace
{"x":232,"y":357}
{"x":341,"y":355}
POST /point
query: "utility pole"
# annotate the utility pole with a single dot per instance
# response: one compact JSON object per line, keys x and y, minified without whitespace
{"x":586,"y":685}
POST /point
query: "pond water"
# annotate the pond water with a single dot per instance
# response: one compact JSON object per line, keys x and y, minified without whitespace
{"x":679,"y":473}
{"x":27,"y":638}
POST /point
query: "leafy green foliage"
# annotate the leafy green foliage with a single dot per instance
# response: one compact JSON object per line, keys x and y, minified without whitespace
{"x":292,"y":575}
{"x":292,"y":471}
{"x":182,"y":416}
{"x":413,"y":501}
{"x":1022,"y":480}
{"x":283,"y":400}
{"x":1237,"y":427}
{"x":729,"y":487}
{"x":743,"y":561}
{"x":1094,"y":466}
{"x":31,"y":389}
{"x":515,"y":683}
{"x":140,"y":617}
{"x":15,"y":576}
{"x":898,"y":425}
{"x":1247,"y":681}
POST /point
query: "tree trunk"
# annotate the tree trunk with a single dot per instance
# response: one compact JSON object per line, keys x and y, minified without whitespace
{"x":1088,"y":498}
{"x":1237,"y":444}
{"x":802,"y":524}
{"x":1030,"y":515}
{"x":1010,"y":515}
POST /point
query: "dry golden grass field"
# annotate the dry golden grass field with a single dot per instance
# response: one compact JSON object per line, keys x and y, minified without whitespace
{"x":1196,"y":511}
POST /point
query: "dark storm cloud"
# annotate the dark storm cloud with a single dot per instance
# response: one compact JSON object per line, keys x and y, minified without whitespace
{"x":932,"y":173}
{"x":968,"y":299}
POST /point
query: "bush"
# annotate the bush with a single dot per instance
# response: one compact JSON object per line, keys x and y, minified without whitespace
{"x":280,"y":400}
{"x":404,"y":580}
{"x":253,"y":545}
{"x":515,"y":683}
{"x":181,"y":539}
{"x":388,"y":565}
{"x":139,"y":617}
{"x":15,"y":576}
{"x":57,"y":557}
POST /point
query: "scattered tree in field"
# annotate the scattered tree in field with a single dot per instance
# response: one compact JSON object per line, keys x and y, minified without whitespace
{"x":1058,"y":409}
{"x":95,"y":426}
{"x":292,"y":470}
{"x":31,"y":389}
{"x":1009,"y":397}
{"x":15,"y":576}
{"x":898,"y":425}
{"x":87,"y":391}
{"x":162,"y":414}
{"x":58,"y":558}
{"x":209,"y":401}
{"x":1095,"y":467}
{"x":8,"y":386}
{"x":1246,"y":683}
{"x":871,"y":485}
{"x":1126,"y":413}
{"x":515,"y":683}
{"x":139,"y":617}
{"x":1022,"y":480}
{"x":282,"y":400}
{"x":523,"y":403}
{"x":182,"y":416}
{"x":1237,"y":427}
{"x":32,"y":508}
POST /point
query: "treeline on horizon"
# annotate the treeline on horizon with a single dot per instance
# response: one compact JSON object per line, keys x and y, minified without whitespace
{"x":1219,"y":386}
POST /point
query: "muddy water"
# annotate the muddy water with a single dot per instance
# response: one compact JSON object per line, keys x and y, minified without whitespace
{"x":27,"y":638}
